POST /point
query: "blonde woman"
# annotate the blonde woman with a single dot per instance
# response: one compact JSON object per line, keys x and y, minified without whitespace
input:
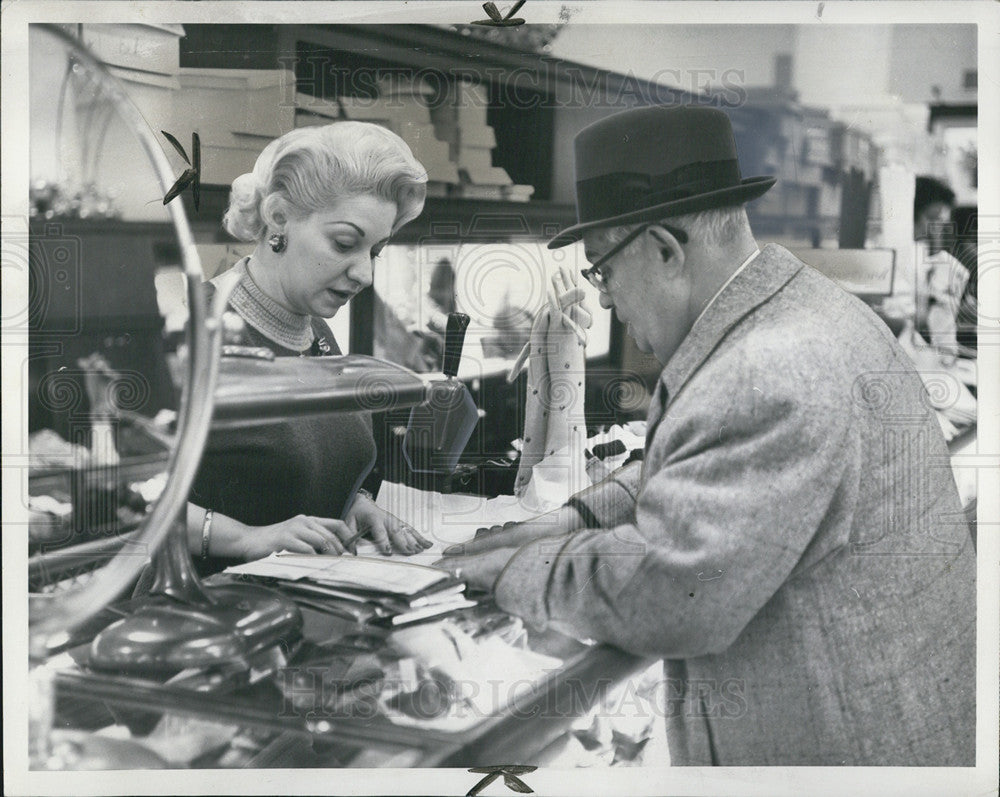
{"x":321,"y":203}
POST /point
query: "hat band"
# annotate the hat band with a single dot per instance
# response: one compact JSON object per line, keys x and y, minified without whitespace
{"x":609,"y":195}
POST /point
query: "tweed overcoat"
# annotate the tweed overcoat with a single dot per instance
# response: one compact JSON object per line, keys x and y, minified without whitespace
{"x":793,"y":547}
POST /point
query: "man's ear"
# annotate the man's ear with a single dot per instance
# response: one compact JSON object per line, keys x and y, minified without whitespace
{"x":671,"y":252}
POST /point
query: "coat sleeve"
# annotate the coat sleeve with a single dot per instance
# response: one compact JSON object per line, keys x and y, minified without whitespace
{"x":734,"y":496}
{"x":612,"y":500}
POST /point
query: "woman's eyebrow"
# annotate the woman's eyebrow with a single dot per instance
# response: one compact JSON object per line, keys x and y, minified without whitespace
{"x":351,"y":224}
{"x":361,"y":232}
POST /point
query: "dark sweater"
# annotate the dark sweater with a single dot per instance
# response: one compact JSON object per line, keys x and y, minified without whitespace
{"x":265,"y":474}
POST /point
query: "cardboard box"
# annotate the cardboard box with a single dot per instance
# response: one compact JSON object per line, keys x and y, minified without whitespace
{"x":367,"y":110}
{"x":437,"y":189}
{"x":306,"y":103}
{"x":419,"y":132}
{"x":155,"y":97}
{"x":401,"y":85}
{"x":518,"y":193}
{"x":446,"y":173}
{"x":408,"y":113}
{"x":149,"y":47}
{"x":260,"y":101}
{"x":829,"y":200}
{"x":493,"y":175}
{"x":817,"y":148}
{"x":463,"y":111}
{"x":490,"y":192}
{"x":439,"y":169}
{"x":432,"y":153}
{"x":308,"y":119}
{"x":97,"y":154}
{"x":232,"y":139}
{"x":406,"y":107}
{"x":471,"y":102}
{"x":221,"y":165}
{"x":445,"y":121}
{"x":474,"y":158}
{"x":477,"y":136}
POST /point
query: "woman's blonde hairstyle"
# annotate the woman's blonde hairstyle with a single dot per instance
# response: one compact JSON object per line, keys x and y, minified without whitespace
{"x":310,"y":168}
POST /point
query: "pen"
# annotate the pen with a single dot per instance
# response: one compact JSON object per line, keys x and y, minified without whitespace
{"x":350,"y":545}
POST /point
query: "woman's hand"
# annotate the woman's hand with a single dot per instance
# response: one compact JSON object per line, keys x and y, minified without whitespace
{"x":387,"y":531}
{"x":300,"y":534}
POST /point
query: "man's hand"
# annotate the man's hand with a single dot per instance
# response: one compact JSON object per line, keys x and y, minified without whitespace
{"x":514,"y":535}
{"x":481,"y":570}
{"x":386,"y":530}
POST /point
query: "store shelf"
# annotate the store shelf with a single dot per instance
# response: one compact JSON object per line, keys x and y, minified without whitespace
{"x":443,"y":218}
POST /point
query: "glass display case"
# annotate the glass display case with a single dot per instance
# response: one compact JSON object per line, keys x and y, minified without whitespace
{"x":126,"y":382}
{"x":501,"y":285}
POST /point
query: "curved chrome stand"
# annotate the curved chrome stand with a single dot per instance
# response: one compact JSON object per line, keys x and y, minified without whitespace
{"x":183,"y":623}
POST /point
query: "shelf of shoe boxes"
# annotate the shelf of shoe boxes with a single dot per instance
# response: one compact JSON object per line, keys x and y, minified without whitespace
{"x":796,"y":145}
{"x":236,"y":112}
{"x":449,"y":135}
{"x":146,"y":59}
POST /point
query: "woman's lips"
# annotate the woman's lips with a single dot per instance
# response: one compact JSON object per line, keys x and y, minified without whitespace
{"x":344,"y":296}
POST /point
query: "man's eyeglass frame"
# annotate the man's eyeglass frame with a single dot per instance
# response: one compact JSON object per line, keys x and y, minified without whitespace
{"x":593,"y":274}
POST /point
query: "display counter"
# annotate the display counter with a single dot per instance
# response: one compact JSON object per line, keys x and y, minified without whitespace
{"x":321,"y":702}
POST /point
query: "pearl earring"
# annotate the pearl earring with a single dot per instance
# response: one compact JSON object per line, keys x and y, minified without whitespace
{"x":278,"y":242}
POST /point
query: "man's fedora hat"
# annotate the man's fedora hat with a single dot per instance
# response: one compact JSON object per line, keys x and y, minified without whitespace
{"x":651,"y":163}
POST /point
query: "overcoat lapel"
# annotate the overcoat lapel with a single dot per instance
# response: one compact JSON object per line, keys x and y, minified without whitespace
{"x":756,"y":284}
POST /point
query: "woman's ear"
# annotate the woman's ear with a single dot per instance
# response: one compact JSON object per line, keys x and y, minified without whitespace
{"x":671,"y":252}
{"x":275,"y":213}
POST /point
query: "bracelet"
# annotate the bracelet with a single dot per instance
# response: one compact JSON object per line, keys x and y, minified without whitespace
{"x":206,"y":533}
{"x":366,"y":493}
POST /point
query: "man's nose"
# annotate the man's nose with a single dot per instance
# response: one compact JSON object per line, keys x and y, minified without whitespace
{"x":605,"y":301}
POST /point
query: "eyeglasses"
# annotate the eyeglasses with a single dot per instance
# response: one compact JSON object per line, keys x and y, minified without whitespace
{"x":599,"y":279}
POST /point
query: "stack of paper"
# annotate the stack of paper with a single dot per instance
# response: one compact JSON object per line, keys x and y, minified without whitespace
{"x":377,"y":590}
{"x":447,"y":518}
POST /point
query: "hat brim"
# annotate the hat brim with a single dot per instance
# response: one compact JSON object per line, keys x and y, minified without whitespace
{"x":747,"y":190}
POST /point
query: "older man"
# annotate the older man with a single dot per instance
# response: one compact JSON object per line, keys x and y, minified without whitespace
{"x":793,"y":547}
